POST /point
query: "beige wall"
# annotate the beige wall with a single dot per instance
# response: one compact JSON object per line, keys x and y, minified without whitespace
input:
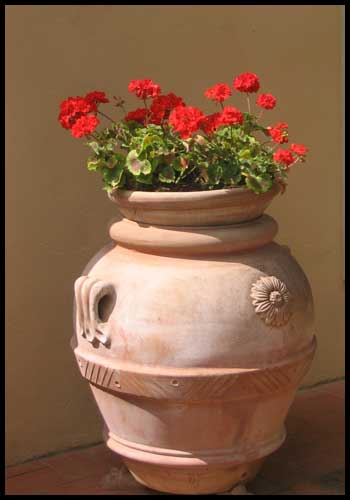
{"x":57,"y":214}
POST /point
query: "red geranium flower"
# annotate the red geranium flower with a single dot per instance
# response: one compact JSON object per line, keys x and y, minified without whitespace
{"x":230,"y":116}
{"x":219,"y":92}
{"x":210,"y":123}
{"x":246,"y":82}
{"x":139,"y":115}
{"x":283,"y":156}
{"x":185,"y":120}
{"x":73,"y":108}
{"x":96,"y":96}
{"x":299,"y":149}
{"x":84,"y":125}
{"x":279,"y":132}
{"x":162,"y":105}
{"x":144,"y":88}
{"x":267,"y":101}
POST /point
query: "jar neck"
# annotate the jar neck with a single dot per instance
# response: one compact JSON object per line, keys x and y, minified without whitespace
{"x":184,"y":241}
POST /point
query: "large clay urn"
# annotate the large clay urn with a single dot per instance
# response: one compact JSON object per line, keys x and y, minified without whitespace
{"x":194,"y":330}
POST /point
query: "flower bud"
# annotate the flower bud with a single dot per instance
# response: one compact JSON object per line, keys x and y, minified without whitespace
{"x":118,"y":101}
{"x":184,"y":162}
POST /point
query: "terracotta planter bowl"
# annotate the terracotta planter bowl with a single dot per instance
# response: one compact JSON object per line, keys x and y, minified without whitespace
{"x":194,"y":330}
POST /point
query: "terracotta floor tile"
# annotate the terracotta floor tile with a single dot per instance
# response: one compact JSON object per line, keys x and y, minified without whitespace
{"x":335,"y":388}
{"x":322,"y":413}
{"x":96,"y":484}
{"x":37,"y":482}
{"x":96,"y":451}
{"x":280,"y":471}
{"x":72,"y":466}
{"x":17,"y":470}
{"x":314,"y":488}
{"x":103,"y":455}
{"x":294,"y":462}
{"x":261,"y":486}
{"x":325,"y":457}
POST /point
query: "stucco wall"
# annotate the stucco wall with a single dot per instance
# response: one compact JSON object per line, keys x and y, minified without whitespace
{"x":57,"y":214}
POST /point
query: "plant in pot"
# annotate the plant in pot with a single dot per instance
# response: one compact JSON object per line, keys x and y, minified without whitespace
{"x":195,"y":328}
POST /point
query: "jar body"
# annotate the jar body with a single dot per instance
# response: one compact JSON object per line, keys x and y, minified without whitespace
{"x":193,"y":357}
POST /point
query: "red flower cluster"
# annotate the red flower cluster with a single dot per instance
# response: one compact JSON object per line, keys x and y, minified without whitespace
{"x":73,"y":108}
{"x":74,"y":113}
{"x":299,"y":149}
{"x":162,"y":105}
{"x":96,"y":97}
{"x":279,"y":132}
{"x":246,"y":82}
{"x":267,"y":101}
{"x":144,"y":88}
{"x":219,"y":92}
{"x":230,"y":116}
{"x":84,"y":125}
{"x":210,"y":123}
{"x":139,"y":115}
{"x":185,"y":120}
{"x":283,"y":156}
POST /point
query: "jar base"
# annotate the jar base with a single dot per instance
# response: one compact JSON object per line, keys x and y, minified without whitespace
{"x":193,"y":480}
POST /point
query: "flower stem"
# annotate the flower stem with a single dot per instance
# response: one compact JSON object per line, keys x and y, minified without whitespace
{"x":106,"y":116}
{"x":92,"y":135}
{"x":266,"y":142}
{"x":248,"y":101}
{"x":145,"y":103}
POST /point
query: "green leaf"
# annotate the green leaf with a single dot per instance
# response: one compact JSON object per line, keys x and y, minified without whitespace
{"x":118,"y":157}
{"x":245,"y":154}
{"x":145,"y":179}
{"x":94,"y":146}
{"x":137,"y":166}
{"x":132,"y":162}
{"x":154,"y":163}
{"x":118,"y":175}
{"x":258,"y":184}
{"x":231,"y":173}
{"x":150,"y":140}
{"x":146,"y":167}
{"x":108,"y":174}
{"x":95,"y":165}
{"x":214,"y":173}
{"x":167,"y":174}
{"x":252,"y":184}
{"x":114,"y":177}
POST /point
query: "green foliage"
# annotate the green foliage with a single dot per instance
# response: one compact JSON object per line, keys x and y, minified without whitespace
{"x":167,"y":174}
{"x":132,"y":156}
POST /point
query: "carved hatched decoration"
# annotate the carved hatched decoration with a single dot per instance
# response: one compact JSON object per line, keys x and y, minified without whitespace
{"x":190,"y":387}
{"x":271,"y":300}
{"x":88,"y":293}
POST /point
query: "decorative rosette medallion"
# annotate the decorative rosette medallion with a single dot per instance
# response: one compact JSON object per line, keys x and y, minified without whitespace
{"x":271,"y":299}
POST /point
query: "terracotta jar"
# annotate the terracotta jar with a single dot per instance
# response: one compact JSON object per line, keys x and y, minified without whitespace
{"x":194,"y":330}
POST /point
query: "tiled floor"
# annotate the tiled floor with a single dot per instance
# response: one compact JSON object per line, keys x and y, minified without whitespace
{"x":310,"y":462}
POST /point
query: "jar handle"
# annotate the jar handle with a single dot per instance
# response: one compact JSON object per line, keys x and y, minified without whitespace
{"x":88,"y":294}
